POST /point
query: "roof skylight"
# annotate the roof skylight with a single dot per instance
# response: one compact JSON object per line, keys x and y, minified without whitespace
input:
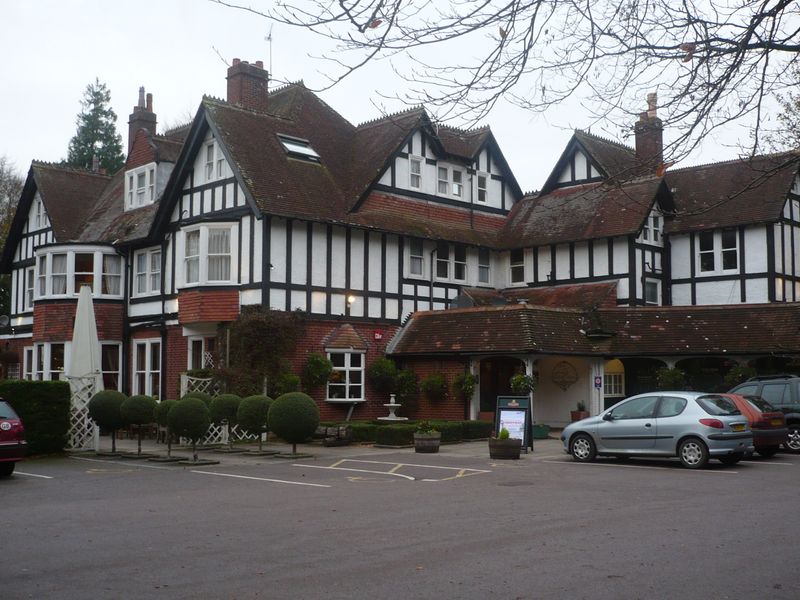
{"x":298,"y":147}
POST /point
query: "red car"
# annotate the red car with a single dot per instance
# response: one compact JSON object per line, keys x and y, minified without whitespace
{"x":767,"y":423}
{"x":13,"y":446}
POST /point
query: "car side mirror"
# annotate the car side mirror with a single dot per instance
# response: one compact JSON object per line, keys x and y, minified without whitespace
{"x":608,"y":417}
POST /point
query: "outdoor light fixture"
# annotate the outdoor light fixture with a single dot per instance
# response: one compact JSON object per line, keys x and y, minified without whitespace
{"x":351,"y":299}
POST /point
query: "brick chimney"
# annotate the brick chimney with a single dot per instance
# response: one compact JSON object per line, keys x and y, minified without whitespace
{"x":649,"y":132}
{"x":142,"y":117}
{"x":248,"y":85}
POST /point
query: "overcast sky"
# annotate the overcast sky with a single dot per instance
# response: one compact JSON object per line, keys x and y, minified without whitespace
{"x":178,"y":50}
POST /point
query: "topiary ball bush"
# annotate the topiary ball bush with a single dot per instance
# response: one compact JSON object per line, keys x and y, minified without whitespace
{"x":224,"y":407}
{"x":162,"y":411}
{"x":382,"y":375}
{"x":293,"y":417}
{"x":253,"y":412}
{"x":207,"y":398}
{"x":105,"y":409}
{"x":139,"y":410}
{"x":189,"y":418}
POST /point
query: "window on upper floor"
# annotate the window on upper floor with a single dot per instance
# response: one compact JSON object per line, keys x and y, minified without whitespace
{"x":458,"y":183}
{"x":415,"y":172}
{"x":442,"y":260}
{"x":517,"y":265}
{"x":58,"y":268}
{"x":718,"y":251}
{"x":450,"y":182}
{"x":484,"y":265}
{"x":298,"y":147}
{"x":451,"y":260}
{"x":416,"y":258}
{"x":346,"y":383}
{"x":39,"y":218}
{"x":84,"y":270}
{"x":482,"y":180}
{"x":30,"y":280}
{"x":443,"y":181}
{"x":140,"y":186}
{"x":147,"y":272}
{"x":653,"y":228}
{"x":459,"y":262}
{"x":207,"y":254}
{"x":652,"y":292}
{"x":63,"y":273}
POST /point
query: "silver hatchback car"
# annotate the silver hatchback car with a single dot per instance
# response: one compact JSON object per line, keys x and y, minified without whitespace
{"x":693,"y":426}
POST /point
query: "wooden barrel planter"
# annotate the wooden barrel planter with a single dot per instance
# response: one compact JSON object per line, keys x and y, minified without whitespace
{"x":507,"y":449}
{"x":427,"y":442}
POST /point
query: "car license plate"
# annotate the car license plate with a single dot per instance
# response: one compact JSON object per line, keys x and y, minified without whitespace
{"x":737,"y":427}
{"x":776,"y":422}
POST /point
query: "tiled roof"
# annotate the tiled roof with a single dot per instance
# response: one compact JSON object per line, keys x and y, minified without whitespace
{"x":69,"y":195}
{"x":731,"y":193}
{"x":345,"y":336}
{"x":462,"y":142}
{"x":583,"y":212}
{"x":614,"y":158}
{"x":586,"y":296}
{"x":635,"y":331}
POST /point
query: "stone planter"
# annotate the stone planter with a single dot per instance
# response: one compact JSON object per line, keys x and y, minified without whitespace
{"x":427,"y":442}
{"x":504,"y":449}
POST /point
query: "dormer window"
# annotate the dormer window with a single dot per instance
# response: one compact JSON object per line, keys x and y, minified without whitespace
{"x":298,"y":148}
{"x":653,"y":228}
{"x":213,"y":162}
{"x":481,"y":188}
{"x":140,"y":186}
{"x":415,"y":173}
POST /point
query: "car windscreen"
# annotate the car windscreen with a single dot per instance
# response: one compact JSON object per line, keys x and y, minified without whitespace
{"x":6,"y":412}
{"x":761,"y":404}
{"x":718,"y":406}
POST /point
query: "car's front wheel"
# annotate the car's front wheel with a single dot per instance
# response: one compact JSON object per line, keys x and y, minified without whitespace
{"x":693,"y":453}
{"x":582,"y":448}
{"x":767,"y":451}
{"x":793,"y":439}
{"x":6,"y":468}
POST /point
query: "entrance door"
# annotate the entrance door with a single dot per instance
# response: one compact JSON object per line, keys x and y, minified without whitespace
{"x":495,"y":381}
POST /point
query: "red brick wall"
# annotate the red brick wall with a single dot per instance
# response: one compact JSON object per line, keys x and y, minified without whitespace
{"x":451,"y":407}
{"x":142,"y":152}
{"x":53,"y":322}
{"x":208,"y":306}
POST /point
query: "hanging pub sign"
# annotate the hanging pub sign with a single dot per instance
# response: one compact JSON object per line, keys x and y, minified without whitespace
{"x":514,"y":414}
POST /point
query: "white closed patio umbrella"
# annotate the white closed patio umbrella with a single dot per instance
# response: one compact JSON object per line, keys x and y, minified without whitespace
{"x":83,"y":371}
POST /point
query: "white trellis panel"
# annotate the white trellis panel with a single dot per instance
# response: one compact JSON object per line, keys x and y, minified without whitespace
{"x":83,"y":433}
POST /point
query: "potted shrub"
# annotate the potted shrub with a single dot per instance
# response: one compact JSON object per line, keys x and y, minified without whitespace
{"x":581,"y":413}
{"x":293,"y":417}
{"x":434,"y":387}
{"x":427,"y":438}
{"x":104,"y":410}
{"x":504,"y":447}
{"x":522,"y":384}
{"x":139,"y":410}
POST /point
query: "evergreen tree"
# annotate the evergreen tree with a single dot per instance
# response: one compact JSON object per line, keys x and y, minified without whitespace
{"x":97,"y":134}
{"x":11,"y":184}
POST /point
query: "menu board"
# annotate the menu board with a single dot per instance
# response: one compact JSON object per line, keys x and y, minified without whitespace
{"x":514,"y":414}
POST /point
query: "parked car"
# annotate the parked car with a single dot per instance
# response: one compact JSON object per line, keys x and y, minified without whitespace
{"x":767,"y":423}
{"x":694,"y":426}
{"x":13,"y":446}
{"x":783,"y":392}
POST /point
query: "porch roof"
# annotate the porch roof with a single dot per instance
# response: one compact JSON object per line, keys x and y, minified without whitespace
{"x":755,"y":329}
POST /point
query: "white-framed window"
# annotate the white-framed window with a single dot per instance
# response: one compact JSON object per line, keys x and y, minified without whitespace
{"x":45,"y":361}
{"x":614,"y":384}
{"x":39,"y":219}
{"x":442,"y":260}
{"x":201,"y":352}
{"x":140,"y":186}
{"x":443,"y":180}
{"x":147,"y":367}
{"x":517,"y":265}
{"x":482,"y":189}
{"x":27,"y":362}
{"x":653,"y":228}
{"x":147,"y":266}
{"x":484,"y":265}
{"x":718,"y":251}
{"x":458,"y":183}
{"x":38,"y":361}
{"x":298,"y":147}
{"x":415,"y":173}
{"x":652,"y":291}
{"x":58,"y":268}
{"x":41,"y":269}
{"x":110,"y":364}
{"x":30,"y":280}
{"x":83,"y":273}
{"x":416,"y":258}
{"x":208,"y":258}
{"x":346,"y":383}
{"x":459,"y":262}
{"x":209,"y":161}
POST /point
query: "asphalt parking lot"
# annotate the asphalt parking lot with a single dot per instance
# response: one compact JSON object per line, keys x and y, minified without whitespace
{"x":362,"y":522}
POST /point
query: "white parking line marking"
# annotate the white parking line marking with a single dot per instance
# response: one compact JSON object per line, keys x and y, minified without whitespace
{"x":769,"y":463}
{"x":32,"y":475}
{"x":262,"y":478}
{"x":127,"y":463}
{"x":360,"y":471}
{"x":619,"y":466}
{"x":378,"y":462}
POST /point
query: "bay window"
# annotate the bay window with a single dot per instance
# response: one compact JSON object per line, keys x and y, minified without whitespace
{"x":30,"y":275}
{"x":208,"y":257}
{"x":192,"y":256}
{"x":219,"y":254}
{"x":63,"y":273}
{"x":59,"y":276}
{"x":84,"y":271}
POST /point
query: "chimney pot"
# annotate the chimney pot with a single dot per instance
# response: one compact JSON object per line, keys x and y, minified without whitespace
{"x":236,"y":61}
{"x":650,"y":137}
{"x":150,"y":103}
{"x":140,"y":104}
{"x":248,"y":85}
{"x":260,"y":64}
{"x":142,"y":117}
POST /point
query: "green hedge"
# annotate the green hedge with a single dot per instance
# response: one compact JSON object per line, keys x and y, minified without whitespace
{"x":364,"y":432}
{"x":395,"y":435}
{"x":452,"y":431}
{"x":43,"y":407}
{"x":476,"y":430}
